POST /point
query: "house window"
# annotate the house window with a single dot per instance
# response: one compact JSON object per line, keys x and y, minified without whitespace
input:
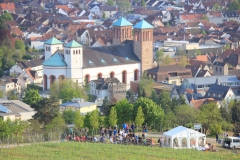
{"x":214,"y":95}
{"x":99,"y":75}
{"x":98,"y":93}
{"x":216,"y":69}
{"x":124,"y":76}
{"x":219,"y":95}
{"x":112,"y":75}
{"x":220,"y":70}
{"x":136,"y":75}
{"x":208,"y":94}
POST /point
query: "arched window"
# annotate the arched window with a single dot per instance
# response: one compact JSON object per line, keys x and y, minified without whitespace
{"x":124,"y":76}
{"x":136,"y":74}
{"x":87,"y":78}
{"x":99,"y":75}
{"x":52,"y":79}
{"x":61,"y":77}
{"x":73,"y":51}
{"x":112,"y":74}
{"x":45,"y":81}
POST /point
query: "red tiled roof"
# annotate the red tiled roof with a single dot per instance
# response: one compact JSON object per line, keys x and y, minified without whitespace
{"x":15,"y":30}
{"x":191,"y":16}
{"x":7,"y":6}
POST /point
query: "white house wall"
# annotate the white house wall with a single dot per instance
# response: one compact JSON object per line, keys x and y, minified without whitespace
{"x":16,"y":69}
{"x":118,"y":69}
{"x":37,"y":44}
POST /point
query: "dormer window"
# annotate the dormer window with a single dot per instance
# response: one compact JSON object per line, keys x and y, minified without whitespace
{"x":115,"y":60}
{"x":102,"y":61}
{"x":90,"y":62}
{"x":127,"y":58}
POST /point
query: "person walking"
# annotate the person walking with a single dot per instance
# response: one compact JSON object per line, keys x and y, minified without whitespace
{"x":132,"y":127}
{"x":160,"y":142}
{"x":216,"y":138}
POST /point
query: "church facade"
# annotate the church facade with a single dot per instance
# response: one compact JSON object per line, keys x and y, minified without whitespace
{"x":125,"y":60}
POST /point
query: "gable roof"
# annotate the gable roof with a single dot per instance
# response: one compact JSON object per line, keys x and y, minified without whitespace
{"x":122,"y":22}
{"x":53,"y":41}
{"x":102,"y":84}
{"x":31,"y":63}
{"x":142,"y":25}
{"x":56,"y":60}
{"x":72,"y":44}
{"x":217,"y":90}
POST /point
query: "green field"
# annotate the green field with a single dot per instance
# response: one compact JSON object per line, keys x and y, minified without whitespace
{"x":93,"y":151}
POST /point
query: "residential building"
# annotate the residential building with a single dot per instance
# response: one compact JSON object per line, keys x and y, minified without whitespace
{"x":220,"y":68}
{"x":8,"y":84}
{"x":220,"y":92}
{"x":109,"y":11}
{"x":108,"y":87}
{"x":7,"y":6}
{"x":172,"y":74}
{"x":15,"y":109}
{"x":78,"y":105}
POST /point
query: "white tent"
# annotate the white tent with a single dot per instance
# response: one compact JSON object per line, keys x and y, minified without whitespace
{"x":182,"y":137}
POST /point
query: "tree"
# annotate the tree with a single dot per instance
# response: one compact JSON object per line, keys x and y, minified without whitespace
{"x":204,"y":32}
{"x":236,"y":117}
{"x":104,"y":15}
{"x":159,"y":55}
{"x":235,"y":5}
{"x":78,"y":120}
{"x":110,"y":2}
{"x":227,"y":46}
{"x":204,"y":17}
{"x":145,"y":86}
{"x":169,"y":120}
{"x":143,"y":3}
{"x":46,"y":109}
{"x":185,"y":115}
{"x":183,"y":61}
{"x":139,"y":119}
{"x":130,"y":96}
{"x":209,"y":116}
{"x":216,"y":7}
{"x":57,"y":124}
{"x":150,"y":109}
{"x":27,"y":57}
{"x":197,"y":52}
{"x":69,"y":116}
{"x":20,"y":45}
{"x":172,"y":21}
{"x":67,"y":90}
{"x":12,"y":95}
{"x":124,"y":111}
{"x":165,"y":101}
{"x":154,"y":97}
{"x":106,"y":106}
{"x":113,"y":117}
{"x":124,"y":5}
{"x":31,"y":97}
{"x":167,"y":60}
{"x":94,"y":119}
{"x":5,"y":16}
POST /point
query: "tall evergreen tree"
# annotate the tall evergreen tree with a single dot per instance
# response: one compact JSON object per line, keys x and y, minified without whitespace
{"x":113,"y":117}
{"x":139,"y":119}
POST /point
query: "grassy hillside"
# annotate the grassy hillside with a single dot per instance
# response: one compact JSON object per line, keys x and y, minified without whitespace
{"x":93,"y":151}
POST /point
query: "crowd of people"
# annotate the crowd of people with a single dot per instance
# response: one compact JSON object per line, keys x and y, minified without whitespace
{"x":125,"y":135}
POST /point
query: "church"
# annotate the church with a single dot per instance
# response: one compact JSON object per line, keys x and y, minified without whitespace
{"x":130,"y":55}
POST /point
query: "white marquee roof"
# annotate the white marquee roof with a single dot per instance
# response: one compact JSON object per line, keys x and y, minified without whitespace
{"x":181,"y":131}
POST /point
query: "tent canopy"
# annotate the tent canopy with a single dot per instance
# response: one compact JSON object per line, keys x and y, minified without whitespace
{"x":181,"y":131}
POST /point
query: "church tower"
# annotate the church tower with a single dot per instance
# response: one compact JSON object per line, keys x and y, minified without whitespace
{"x":51,"y":46}
{"x":143,"y":44}
{"x":122,"y":31}
{"x":73,"y":55}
